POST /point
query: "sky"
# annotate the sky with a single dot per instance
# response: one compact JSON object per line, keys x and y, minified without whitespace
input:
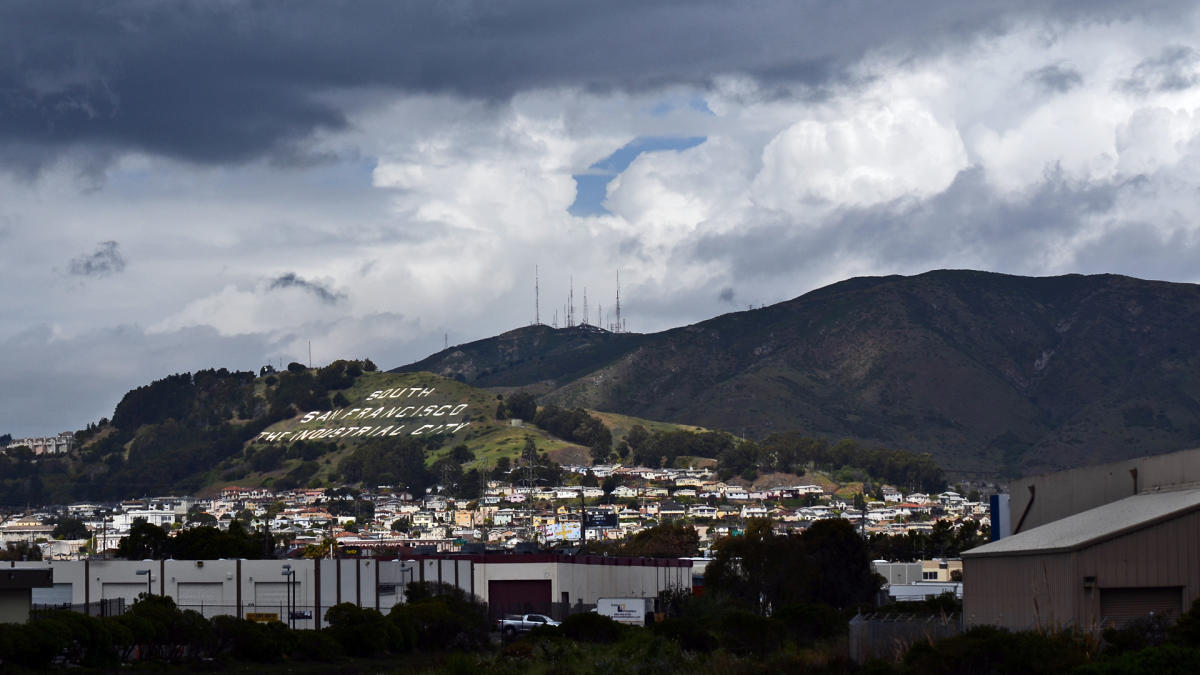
{"x":189,"y":185}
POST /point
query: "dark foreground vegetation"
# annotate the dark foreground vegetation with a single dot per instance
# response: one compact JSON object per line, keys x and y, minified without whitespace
{"x":442,"y":630}
{"x":772,"y":602}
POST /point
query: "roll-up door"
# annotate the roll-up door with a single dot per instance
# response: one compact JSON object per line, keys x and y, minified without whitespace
{"x":60,"y":594}
{"x":119,"y":590}
{"x":524,"y":596}
{"x":271,"y":594}
{"x":1121,"y":606}
{"x":192,"y":595}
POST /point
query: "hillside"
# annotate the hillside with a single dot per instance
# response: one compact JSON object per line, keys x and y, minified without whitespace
{"x":539,"y":357}
{"x":345,"y":423}
{"x":990,"y":373}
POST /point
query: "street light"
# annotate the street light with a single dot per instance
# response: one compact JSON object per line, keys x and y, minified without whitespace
{"x":291,"y":601}
{"x":148,"y":578}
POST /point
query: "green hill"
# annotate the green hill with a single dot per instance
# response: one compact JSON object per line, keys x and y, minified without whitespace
{"x":192,"y":433}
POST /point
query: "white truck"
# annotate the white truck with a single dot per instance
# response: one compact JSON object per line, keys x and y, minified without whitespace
{"x":523,"y":623}
{"x":632,"y":611}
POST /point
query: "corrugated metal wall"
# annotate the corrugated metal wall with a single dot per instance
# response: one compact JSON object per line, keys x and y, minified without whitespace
{"x":1026,"y":591}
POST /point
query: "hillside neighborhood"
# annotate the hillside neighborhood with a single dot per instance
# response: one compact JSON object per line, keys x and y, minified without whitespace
{"x":505,"y":516}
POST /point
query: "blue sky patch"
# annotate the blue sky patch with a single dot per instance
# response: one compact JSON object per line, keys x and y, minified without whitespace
{"x":592,"y":187}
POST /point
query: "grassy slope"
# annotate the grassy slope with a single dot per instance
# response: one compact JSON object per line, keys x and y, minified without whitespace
{"x":488,"y":439}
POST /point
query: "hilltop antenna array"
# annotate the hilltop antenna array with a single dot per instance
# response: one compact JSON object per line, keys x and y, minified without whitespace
{"x":619,"y":326}
{"x":571,"y":303}
{"x":568,"y":307}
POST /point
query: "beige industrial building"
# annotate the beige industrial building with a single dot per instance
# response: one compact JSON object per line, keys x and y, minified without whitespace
{"x":304,"y":589}
{"x":1092,"y":547}
{"x":1043,"y":498}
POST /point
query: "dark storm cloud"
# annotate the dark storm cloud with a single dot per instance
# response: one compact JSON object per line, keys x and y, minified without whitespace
{"x":1174,"y":69}
{"x":1055,"y":78}
{"x":104,"y":261}
{"x":229,"y":82}
{"x":726,"y":294}
{"x":290,"y":280}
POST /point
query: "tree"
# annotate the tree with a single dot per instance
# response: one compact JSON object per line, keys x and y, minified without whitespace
{"x":360,"y":631}
{"x":70,"y":528}
{"x":669,"y":540}
{"x":521,"y":405}
{"x":145,"y":541}
{"x":842,"y":574}
{"x":21,"y":550}
{"x":828,"y":564}
{"x":860,"y":502}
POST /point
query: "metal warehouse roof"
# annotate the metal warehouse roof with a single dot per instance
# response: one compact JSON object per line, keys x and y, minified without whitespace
{"x":1094,"y":525}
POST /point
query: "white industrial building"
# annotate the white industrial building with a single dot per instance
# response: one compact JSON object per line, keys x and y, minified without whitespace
{"x":304,"y":589}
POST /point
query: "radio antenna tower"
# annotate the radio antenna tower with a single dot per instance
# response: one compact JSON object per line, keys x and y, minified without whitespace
{"x":618,"y":327}
{"x":585,"y":312}
{"x":571,"y":303}
{"x":537,"y":299}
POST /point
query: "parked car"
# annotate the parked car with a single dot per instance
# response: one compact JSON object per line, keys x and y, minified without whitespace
{"x":523,"y":623}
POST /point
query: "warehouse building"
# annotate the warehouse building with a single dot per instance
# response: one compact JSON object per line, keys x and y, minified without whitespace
{"x":1106,"y":565}
{"x":300,"y":591}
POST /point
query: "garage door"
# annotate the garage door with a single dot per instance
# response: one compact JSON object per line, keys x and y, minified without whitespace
{"x":60,"y":594}
{"x":272,"y":594}
{"x":518,"y":597}
{"x":193,"y":595}
{"x":1121,"y":606}
{"x":127,"y":591}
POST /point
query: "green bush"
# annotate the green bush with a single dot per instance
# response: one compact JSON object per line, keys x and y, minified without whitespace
{"x":1163,"y":660}
{"x":360,"y":631}
{"x":30,"y":645}
{"x":591,"y":627}
{"x":808,"y":623}
{"x":743,"y":632}
{"x":690,"y":633}
{"x":987,"y":649}
{"x":315,"y":645}
{"x":251,"y":641}
{"x":442,"y":617}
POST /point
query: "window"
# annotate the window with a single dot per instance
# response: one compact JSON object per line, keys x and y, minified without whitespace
{"x":929,"y":576}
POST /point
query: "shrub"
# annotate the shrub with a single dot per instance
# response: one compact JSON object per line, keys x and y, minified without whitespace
{"x":315,"y":645}
{"x":250,"y":641}
{"x":590,"y":627}
{"x":361,"y":632}
{"x":442,"y":617}
{"x":808,"y":623}
{"x":690,"y":633}
{"x":987,"y":649}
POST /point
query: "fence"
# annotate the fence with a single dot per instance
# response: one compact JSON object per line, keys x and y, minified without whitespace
{"x":888,"y":635}
{"x":110,"y":607}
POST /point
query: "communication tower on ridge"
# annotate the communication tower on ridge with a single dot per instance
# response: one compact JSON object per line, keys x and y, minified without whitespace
{"x":619,"y":325}
{"x":585,"y":312}
{"x":537,"y":299}
{"x":571,"y":303}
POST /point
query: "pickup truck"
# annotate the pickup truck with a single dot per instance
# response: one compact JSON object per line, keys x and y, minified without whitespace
{"x":523,"y":623}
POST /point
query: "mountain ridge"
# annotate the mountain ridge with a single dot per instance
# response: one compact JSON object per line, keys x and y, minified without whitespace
{"x":991,"y":373}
